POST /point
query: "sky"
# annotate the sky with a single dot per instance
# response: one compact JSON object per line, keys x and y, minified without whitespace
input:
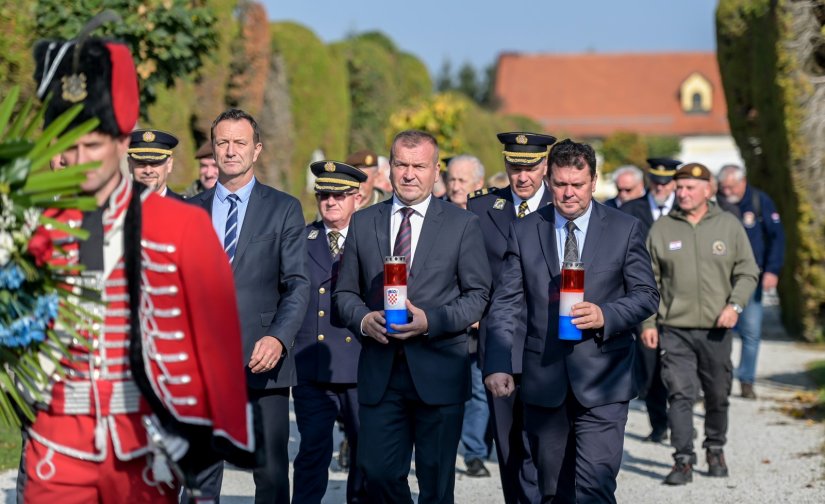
{"x":478,"y":31}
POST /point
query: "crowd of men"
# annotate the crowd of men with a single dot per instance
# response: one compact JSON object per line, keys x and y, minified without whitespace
{"x":216,"y":308}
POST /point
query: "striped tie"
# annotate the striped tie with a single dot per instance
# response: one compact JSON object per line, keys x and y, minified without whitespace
{"x":522,"y":209}
{"x":403,"y":240}
{"x":333,"y":243}
{"x":571,"y":246}
{"x":230,"y":236}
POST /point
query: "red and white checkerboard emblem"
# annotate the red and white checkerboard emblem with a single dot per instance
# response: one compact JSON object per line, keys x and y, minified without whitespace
{"x":392,"y":296}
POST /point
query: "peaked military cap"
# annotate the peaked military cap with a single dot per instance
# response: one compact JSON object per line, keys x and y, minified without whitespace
{"x":204,"y":150}
{"x":151,"y":145}
{"x":662,"y":170}
{"x":524,"y":148}
{"x":362,"y":159}
{"x":696,"y":171}
{"x":336,"y":177}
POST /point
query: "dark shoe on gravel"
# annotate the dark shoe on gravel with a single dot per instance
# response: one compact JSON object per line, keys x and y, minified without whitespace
{"x":747,"y":391}
{"x":657,"y":436}
{"x":681,"y":473}
{"x":476,"y":469}
{"x":717,"y":468}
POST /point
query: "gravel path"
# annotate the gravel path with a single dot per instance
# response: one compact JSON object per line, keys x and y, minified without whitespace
{"x":772,"y":456}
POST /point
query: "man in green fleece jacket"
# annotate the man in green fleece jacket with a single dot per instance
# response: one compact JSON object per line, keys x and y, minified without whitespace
{"x":706,"y":272}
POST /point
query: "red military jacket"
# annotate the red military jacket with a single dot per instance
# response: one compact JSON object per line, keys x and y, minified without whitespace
{"x":191,"y":341}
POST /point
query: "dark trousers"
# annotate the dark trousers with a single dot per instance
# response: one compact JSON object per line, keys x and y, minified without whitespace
{"x":648,"y":368}
{"x":317,"y":405}
{"x":391,"y":428}
{"x":688,"y":354}
{"x":271,"y":479}
{"x":578,"y":450}
{"x":515,"y":463}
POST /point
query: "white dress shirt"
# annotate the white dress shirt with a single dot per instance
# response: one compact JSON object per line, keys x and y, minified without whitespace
{"x":532,"y":203}
{"x":341,"y":239}
{"x":582,"y":221}
{"x":416,"y":222}
{"x":666,"y":208}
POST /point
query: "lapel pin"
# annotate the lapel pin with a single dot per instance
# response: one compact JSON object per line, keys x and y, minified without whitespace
{"x":312,"y":234}
{"x":499,"y":204}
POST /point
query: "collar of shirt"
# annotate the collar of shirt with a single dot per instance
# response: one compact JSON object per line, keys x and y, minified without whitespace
{"x":343,"y":232}
{"x":532,"y":203}
{"x":666,"y":208}
{"x":164,"y":191}
{"x":416,"y":222}
{"x":220,"y":207}
{"x":582,"y":222}
{"x":418,"y":208}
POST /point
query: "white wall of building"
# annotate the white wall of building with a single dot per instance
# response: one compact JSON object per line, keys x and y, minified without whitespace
{"x":712,"y":151}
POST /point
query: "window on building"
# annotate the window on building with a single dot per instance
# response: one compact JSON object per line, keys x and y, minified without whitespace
{"x":696,"y":94}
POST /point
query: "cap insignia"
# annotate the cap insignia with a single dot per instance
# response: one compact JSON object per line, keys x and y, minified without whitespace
{"x":74,"y":88}
{"x":719,"y":247}
{"x":148,"y":136}
{"x":368,"y":160}
{"x":329,"y":166}
{"x":312,"y":234}
{"x":499,"y":204}
{"x":521,"y":140}
{"x":696,"y":171}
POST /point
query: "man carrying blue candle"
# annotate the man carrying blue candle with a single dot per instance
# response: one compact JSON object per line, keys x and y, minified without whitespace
{"x":576,"y":393}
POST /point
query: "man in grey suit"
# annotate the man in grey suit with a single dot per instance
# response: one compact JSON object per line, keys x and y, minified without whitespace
{"x":576,"y":393}
{"x":262,"y":232}
{"x":413,"y":382}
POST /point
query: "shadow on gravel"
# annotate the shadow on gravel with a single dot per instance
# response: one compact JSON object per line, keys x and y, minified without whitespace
{"x":799,"y":380}
{"x":644,"y":467}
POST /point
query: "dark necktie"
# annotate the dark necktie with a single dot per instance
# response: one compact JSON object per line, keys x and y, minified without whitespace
{"x":230,"y":235}
{"x":522,"y":209}
{"x":333,"y":243}
{"x":571,"y":247}
{"x":403,"y":240}
{"x":661,"y":212}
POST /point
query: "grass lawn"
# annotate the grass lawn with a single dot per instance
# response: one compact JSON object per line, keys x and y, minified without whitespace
{"x":816,"y":370}
{"x":9,"y":448}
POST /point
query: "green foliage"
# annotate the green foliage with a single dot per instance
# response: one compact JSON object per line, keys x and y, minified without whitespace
{"x":16,"y":64}
{"x":764,"y":93}
{"x":319,"y":97}
{"x":10,"y":446}
{"x":169,"y":38}
{"x":623,"y":148}
{"x":479,"y":86}
{"x":174,"y":112}
{"x":662,"y":146}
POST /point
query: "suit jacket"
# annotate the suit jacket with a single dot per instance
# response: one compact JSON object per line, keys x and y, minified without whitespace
{"x":618,"y":278}
{"x":172,"y":194}
{"x":449,"y":280}
{"x":325,"y":350}
{"x":495,"y":218}
{"x":612,"y":202}
{"x":271,"y":283}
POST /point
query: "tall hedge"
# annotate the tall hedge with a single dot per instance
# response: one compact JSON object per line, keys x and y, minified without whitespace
{"x":319,"y":97}
{"x":771,"y":61}
{"x":16,"y":62}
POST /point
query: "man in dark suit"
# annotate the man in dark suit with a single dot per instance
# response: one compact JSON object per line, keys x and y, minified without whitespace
{"x":262,"y":230}
{"x":150,"y":159}
{"x":413,"y":381}
{"x":525,"y":160}
{"x":630,"y":185}
{"x":576,"y":393}
{"x":659,"y":200}
{"x":326,"y":353}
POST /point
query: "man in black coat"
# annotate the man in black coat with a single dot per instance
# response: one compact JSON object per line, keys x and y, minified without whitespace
{"x":150,"y":159}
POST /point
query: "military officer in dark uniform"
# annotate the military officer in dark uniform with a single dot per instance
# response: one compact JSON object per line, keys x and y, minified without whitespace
{"x":367,"y":162}
{"x":326,"y":353}
{"x":659,"y":200}
{"x":525,"y":160}
{"x":150,"y":159}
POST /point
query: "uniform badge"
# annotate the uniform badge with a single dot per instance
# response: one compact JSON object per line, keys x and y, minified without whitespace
{"x":521,"y":140}
{"x":748,"y":219}
{"x":148,"y":136}
{"x":499,"y":204}
{"x":674,"y":245}
{"x":368,"y":160}
{"x":74,"y":88}
{"x":719,"y":248}
{"x":696,"y":171}
{"x":329,"y":166}
{"x":775,"y":217}
{"x":312,"y":234}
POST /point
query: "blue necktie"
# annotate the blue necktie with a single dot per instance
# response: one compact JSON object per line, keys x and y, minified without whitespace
{"x":230,"y":236}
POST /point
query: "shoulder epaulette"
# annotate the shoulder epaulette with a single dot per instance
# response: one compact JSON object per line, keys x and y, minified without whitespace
{"x":482,"y":192}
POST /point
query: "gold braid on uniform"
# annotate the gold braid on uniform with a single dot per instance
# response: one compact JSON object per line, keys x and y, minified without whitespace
{"x":350,"y":183}
{"x":524,"y":157}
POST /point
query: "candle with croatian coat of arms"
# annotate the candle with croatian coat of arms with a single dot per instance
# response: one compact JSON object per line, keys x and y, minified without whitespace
{"x":571,"y":293}
{"x":395,"y":291}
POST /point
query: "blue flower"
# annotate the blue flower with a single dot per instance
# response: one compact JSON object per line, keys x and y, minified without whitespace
{"x":22,"y":332}
{"x":11,"y":277}
{"x":45,"y":310}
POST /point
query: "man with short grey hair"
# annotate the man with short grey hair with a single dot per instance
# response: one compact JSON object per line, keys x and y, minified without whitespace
{"x":758,"y":214}
{"x":630,"y":184}
{"x":465,"y":175}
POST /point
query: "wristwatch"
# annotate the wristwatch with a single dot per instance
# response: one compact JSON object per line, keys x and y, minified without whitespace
{"x":738,"y":309}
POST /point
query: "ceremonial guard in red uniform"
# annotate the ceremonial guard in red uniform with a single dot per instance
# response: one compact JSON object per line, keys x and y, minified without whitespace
{"x":156,"y":376}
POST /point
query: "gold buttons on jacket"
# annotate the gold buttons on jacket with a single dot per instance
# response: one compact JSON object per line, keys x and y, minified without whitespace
{"x":321,"y":313}
{"x":320,"y":337}
{"x":322,"y":291}
{"x":348,"y":339}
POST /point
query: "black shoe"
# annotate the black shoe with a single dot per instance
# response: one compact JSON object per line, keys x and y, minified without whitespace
{"x":476,"y":469}
{"x":747,"y":391}
{"x":682,"y":472}
{"x":717,"y":468}
{"x":657,"y":436}
{"x":343,"y":454}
